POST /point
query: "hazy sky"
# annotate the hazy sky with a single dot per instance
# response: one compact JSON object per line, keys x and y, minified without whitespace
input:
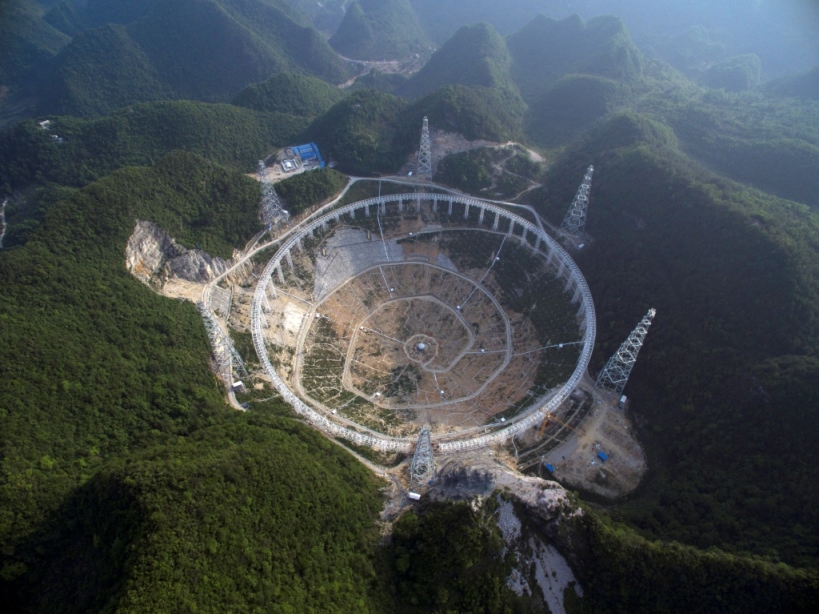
{"x":784,"y":33}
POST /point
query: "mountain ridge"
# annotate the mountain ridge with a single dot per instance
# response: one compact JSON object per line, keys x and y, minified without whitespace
{"x":379,"y":30}
{"x":200,"y":49}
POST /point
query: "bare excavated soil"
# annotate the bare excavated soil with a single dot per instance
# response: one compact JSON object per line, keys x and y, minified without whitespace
{"x":608,"y":430}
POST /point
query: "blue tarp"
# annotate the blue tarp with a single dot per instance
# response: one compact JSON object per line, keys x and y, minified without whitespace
{"x":550,"y":468}
{"x":603,"y":456}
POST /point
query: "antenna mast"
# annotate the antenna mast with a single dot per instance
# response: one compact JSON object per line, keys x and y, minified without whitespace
{"x":272,"y":211}
{"x":615,"y":374}
{"x":425,"y":151}
{"x":575,"y":221}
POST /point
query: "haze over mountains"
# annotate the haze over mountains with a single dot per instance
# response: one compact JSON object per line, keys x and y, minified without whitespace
{"x":139,"y":50}
{"x":127,"y":484}
{"x":379,"y":30}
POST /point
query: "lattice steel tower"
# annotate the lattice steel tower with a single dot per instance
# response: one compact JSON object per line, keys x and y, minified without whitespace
{"x":575,"y":221}
{"x":425,"y":151}
{"x":423,"y":464}
{"x":615,"y":374}
{"x":271,"y":211}
{"x":226,"y":356}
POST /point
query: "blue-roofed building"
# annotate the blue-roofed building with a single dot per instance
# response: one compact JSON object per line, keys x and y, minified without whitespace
{"x":603,"y":456}
{"x":550,"y":468}
{"x":308,"y":152}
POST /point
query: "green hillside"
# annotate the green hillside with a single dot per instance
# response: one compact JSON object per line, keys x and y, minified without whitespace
{"x":379,"y":30}
{"x":126,"y":482}
{"x":67,"y":17}
{"x":94,"y":363}
{"x":570,"y":105}
{"x":290,"y":93}
{"x":370,"y":131}
{"x":760,"y":139}
{"x":358,"y":132}
{"x":199,"y":49}
{"x":102,"y":70}
{"x":187,"y":39}
{"x":389,"y":83}
{"x":449,"y":557}
{"x":309,"y":189}
{"x":621,"y":572}
{"x":730,"y":364}
{"x":138,"y":135}
{"x":735,"y":74}
{"x":326,"y":16}
{"x":475,"y":112}
{"x":805,"y":85}
{"x":235,"y":507}
{"x":475,"y":56}
{"x":26,"y":42}
{"x":546,"y":49}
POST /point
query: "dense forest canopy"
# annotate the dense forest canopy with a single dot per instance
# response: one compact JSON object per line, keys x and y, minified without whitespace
{"x":379,"y":30}
{"x":127,"y":483}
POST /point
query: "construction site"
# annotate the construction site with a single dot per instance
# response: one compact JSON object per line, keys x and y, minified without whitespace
{"x":429,"y":324}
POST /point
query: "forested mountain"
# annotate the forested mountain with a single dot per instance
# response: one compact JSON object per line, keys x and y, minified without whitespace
{"x":572,"y":73}
{"x":729,"y":372}
{"x":26,"y":42}
{"x":494,"y":114}
{"x":475,"y":55}
{"x":68,"y":18}
{"x":126,"y":484}
{"x":545,"y":50}
{"x":134,"y":535}
{"x":371,"y":131}
{"x":290,"y":93}
{"x":102,"y":70}
{"x":326,"y":16}
{"x":359,"y":132}
{"x":379,"y":30}
{"x":691,"y":35}
{"x":805,"y":85}
{"x":141,"y":50}
{"x":137,"y":135}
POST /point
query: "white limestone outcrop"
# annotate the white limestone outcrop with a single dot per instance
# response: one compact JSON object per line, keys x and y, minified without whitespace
{"x":154,"y":257}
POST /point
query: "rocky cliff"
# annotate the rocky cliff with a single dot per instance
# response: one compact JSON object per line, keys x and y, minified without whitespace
{"x":546,"y":500}
{"x":154,"y":257}
{"x":529,"y":513}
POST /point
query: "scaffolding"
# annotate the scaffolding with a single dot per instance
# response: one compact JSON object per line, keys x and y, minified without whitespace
{"x":614,"y":375}
{"x":575,"y":221}
{"x":271,"y":211}
{"x":220,"y":300}
{"x":228,"y":360}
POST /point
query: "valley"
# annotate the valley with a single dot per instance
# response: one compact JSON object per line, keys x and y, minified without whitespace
{"x":404,"y":319}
